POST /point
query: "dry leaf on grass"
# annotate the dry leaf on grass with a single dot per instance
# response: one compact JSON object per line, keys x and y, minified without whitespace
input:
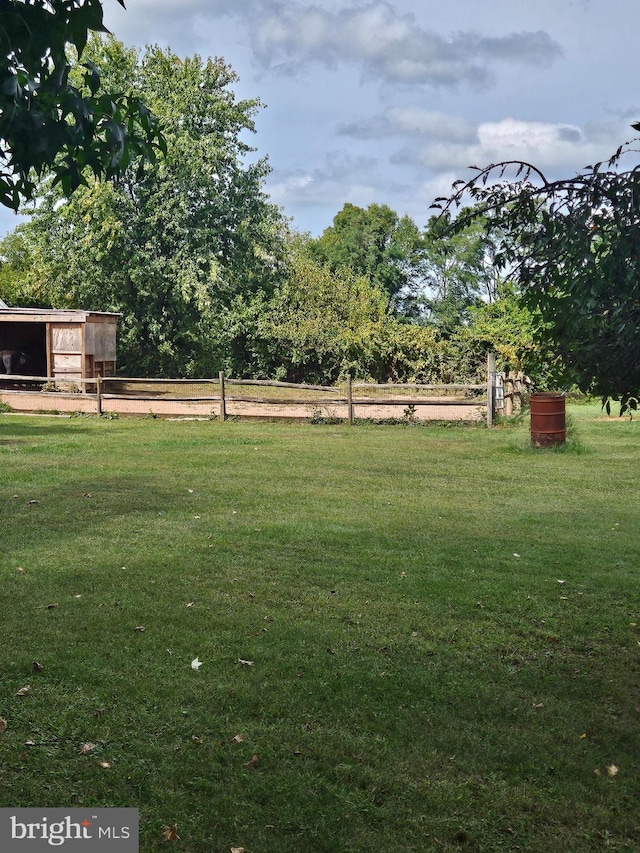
{"x":245,"y":662}
{"x":3,"y":725}
{"x":140,"y":629}
{"x":196,"y":664}
{"x":170,"y":833}
{"x":36,"y":667}
{"x":105,"y":764}
{"x":253,"y":761}
{"x":87,"y":748}
{"x":237,"y":850}
{"x":237,"y":739}
{"x":24,"y":691}
{"x":612,"y":770}
{"x":196,"y":739}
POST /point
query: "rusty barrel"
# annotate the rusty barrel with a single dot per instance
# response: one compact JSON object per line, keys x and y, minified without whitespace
{"x":548,"y":419}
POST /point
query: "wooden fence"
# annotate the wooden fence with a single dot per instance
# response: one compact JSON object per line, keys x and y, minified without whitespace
{"x":224,"y":397}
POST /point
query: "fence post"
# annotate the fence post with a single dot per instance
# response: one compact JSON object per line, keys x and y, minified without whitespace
{"x":509,"y":393}
{"x":350,"y":399}
{"x":223,"y":403}
{"x":99,"y":395}
{"x":491,"y":377}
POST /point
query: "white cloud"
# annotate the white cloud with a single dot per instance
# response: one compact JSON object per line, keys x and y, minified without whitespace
{"x":387,"y":45}
{"x":340,"y":178}
{"x":412,"y":121}
{"x":550,"y":147}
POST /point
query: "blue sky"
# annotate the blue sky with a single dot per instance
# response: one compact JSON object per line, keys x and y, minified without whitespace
{"x":389,"y":101}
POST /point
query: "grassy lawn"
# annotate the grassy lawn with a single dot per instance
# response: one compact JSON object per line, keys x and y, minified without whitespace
{"x":412,"y":638}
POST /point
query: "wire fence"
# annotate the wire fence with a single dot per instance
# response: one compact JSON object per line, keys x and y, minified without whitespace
{"x":222,"y":397}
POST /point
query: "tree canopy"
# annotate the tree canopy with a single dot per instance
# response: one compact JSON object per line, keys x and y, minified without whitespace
{"x":169,"y":248}
{"x":51,"y":124}
{"x":574,"y":247}
{"x":375,"y":242}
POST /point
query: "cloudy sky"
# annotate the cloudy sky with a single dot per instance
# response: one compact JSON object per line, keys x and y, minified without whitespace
{"x":389,"y":101}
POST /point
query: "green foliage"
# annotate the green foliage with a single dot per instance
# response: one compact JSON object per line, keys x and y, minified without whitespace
{"x":458,"y":274}
{"x":171,"y":248}
{"x":573,"y":245}
{"x":374,"y":242}
{"x":49,"y":124}
{"x":322,"y":325}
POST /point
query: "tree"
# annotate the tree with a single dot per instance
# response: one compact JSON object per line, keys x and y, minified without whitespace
{"x":574,"y":247}
{"x":171,"y":247}
{"x":375,"y":242}
{"x":49,"y":124}
{"x":458,"y":275}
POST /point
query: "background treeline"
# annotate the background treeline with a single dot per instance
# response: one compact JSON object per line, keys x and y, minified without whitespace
{"x":208,"y":274}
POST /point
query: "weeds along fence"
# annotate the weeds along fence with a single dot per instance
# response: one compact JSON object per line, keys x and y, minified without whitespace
{"x":224,"y":397}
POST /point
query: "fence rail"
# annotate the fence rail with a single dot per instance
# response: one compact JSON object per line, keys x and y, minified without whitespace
{"x":222,"y":397}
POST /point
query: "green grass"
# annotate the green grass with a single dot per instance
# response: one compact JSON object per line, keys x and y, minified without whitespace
{"x":415,"y":685}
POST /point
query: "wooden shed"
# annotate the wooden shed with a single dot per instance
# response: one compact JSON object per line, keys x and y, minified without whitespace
{"x":63,"y":344}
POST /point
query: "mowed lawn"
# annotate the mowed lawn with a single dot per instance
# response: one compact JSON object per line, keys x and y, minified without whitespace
{"x":411,"y":638}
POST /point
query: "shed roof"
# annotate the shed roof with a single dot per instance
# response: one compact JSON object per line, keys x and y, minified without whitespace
{"x":59,"y":315}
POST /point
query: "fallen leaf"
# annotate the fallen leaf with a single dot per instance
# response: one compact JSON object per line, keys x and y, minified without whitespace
{"x":105,"y":764}
{"x":36,"y":667}
{"x":86,"y":748}
{"x":196,"y":664}
{"x":196,"y":739}
{"x":140,"y":629}
{"x":31,"y":503}
{"x":538,"y":705}
{"x":583,"y":735}
{"x":190,"y":491}
{"x":612,"y":770}
{"x":24,"y":691}
{"x":29,"y":743}
{"x":516,"y":555}
{"x":3,"y":725}
{"x":253,"y":761}
{"x":189,"y":604}
{"x":238,"y":849}
{"x":87,"y":495}
{"x":170,"y":833}
{"x":238,"y":739}
{"x":20,"y":569}
{"x":245,"y":662}
{"x":561,"y":582}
